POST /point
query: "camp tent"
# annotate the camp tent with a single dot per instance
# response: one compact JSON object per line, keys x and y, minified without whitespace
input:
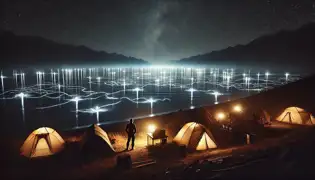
{"x":296,"y":115}
{"x":43,"y":141}
{"x":95,"y":141}
{"x":195,"y":137}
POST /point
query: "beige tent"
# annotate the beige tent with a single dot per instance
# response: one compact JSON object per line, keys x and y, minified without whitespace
{"x":44,"y":141}
{"x":195,"y":137}
{"x":95,"y":140}
{"x":295,"y":115}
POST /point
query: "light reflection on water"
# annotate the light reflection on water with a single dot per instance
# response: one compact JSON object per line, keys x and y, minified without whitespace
{"x":70,"y":98}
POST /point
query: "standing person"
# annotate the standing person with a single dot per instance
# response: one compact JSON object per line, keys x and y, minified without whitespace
{"x":131,"y":131}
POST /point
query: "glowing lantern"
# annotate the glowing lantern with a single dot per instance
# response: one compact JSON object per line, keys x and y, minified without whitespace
{"x":220,"y":116}
{"x":237,"y":108}
{"x":151,"y":128}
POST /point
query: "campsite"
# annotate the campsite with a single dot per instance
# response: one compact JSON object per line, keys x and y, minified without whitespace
{"x":157,"y":89}
{"x":199,"y":139}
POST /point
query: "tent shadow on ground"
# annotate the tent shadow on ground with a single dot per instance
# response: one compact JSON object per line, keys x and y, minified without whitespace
{"x":70,"y":156}
{"x":95,"y":144}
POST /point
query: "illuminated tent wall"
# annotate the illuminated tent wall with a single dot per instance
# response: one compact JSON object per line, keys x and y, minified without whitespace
{"x":195,"y":137}
{"x":44,"y":141}
{"x":95,"y":141}
{"x":296,"y":115}
{"x":266,"y":115}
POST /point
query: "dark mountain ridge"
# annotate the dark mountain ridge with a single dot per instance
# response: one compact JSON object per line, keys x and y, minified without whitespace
{"x":289,"y":49}
{"x":30,"y":50}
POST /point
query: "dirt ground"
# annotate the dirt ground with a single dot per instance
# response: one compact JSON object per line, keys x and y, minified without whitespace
{"x":164,"y":159}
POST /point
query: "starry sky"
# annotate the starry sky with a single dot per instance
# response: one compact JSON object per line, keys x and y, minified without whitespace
{"x":154,"y":30}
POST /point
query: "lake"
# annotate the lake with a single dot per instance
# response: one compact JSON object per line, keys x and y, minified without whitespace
{"x":77,"y":97}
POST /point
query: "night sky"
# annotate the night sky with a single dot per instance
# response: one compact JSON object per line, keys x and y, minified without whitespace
{"x":154,"y":30}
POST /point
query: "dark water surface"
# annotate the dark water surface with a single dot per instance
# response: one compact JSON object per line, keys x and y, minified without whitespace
{"x":111,"y":93}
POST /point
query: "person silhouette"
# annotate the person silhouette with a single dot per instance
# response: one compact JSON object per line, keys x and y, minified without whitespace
{"x":131,"y":131}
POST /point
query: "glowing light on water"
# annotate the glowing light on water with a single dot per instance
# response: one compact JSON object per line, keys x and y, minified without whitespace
{"x":228,"y":78}
{"x":191,"y":90}
{"x":76,"y":100}
{"x":124,"y":84}
{"x":39,"y":78}
{"x":22,"y":79}
{"x":137,"y":91}
{"x":170,"y":84}
{"x":216,"y":94}
{"x":15,"y":79}
{"x":97,"y":110}
{"x":157,"y":84}
{"x":22,"y":96}
{"x":247,"y":82}
{"x":267,"y":75}
{"x":73,"y":83}
{"x":192,"y":82}
{"x":244,"y":79}
{"x":2,"y":84}
{"x":53,"y":77}
{"x":286,"y":76}
{"x":151,"y":101}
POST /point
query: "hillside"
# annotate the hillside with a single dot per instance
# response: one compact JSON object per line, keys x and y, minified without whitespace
{"x":29,"y":50}
{"x":289,"y":49}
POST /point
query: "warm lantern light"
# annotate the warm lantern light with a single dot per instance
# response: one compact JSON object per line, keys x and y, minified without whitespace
{"x":220,"y":116}
{"x":238,"y":108}
{"x":151,"y":128}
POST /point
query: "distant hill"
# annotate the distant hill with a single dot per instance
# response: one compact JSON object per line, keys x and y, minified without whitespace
{"x":30,"y":50}
{"x":288,"y":49}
